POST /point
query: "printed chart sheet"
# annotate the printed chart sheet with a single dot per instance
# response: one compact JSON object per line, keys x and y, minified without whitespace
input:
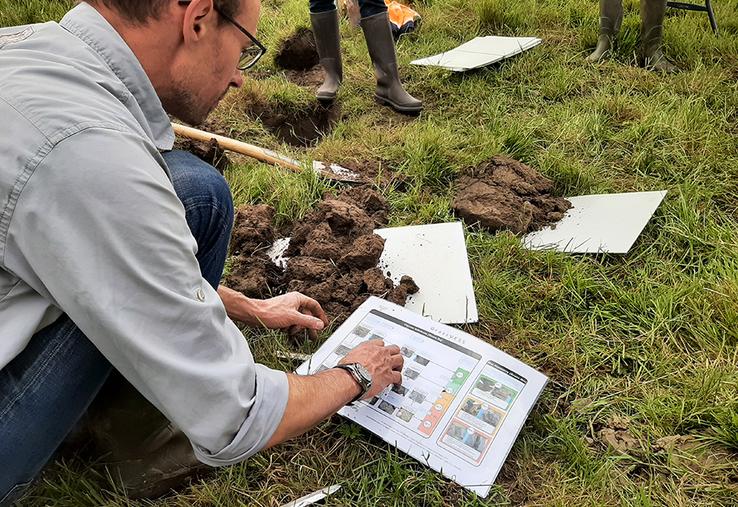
{"x":461,"y":404}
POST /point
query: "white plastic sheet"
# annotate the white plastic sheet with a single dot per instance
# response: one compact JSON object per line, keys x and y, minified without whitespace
{"x":479,"y":52}
{"x":435,"y":256}
{"x":600,"y":223}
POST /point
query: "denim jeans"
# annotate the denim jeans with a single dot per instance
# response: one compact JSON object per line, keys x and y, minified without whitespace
{"x":49,"y":385}
{"x":366,"y":7}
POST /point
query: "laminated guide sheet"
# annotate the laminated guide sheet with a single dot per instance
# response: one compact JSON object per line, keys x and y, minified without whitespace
{"x":461,"y":404}
{"x":601,"y":223}
{"x":479,"y":52}
{"x":435,"y":256}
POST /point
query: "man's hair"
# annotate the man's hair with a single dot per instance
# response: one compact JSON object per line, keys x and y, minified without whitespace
{"x":141,"y":11}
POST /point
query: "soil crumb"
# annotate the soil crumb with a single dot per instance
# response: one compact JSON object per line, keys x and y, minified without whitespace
{"x":298,"y":51}
{"x":333,"y":254}
{"x":507,"y":194}
{"x":251,"y":270}
{"x":300,"y":126}
{"x":616,"y":435}
{"x":208,"y":152}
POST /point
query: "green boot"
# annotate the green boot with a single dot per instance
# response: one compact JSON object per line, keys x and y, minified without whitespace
{"x":652,"y":31}
{"x":145,"y":454}
{"x":378,"y":35}
{"x":328,"y":43}
{"x":611,"y":17}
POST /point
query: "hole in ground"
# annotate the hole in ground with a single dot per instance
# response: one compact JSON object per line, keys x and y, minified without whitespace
{"x":298,"y":57}
{"x":297,"y":52}
{"x":301,"y":127}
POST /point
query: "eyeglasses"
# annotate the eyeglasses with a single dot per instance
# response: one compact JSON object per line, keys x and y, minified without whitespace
{"x":251,"y":54}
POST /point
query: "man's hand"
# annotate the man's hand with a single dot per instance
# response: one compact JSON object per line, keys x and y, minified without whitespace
{"x":315,"y":397}
{"x":293,"y":311}
{"x":384,"y":363}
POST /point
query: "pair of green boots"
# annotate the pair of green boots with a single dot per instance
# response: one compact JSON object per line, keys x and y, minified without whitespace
{"x":381,"y":45}
{"x":652,"y":31}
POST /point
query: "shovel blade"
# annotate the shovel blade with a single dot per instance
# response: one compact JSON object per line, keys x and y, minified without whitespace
{"x":336,"y":172}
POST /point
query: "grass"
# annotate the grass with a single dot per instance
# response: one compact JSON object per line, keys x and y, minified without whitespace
{"x":651,"y":337}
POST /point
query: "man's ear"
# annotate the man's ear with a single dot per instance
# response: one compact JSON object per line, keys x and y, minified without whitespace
{"x":200,"y":17}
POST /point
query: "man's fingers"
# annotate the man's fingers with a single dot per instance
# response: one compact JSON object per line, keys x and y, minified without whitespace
{"x":306,"y":321}
{"x":396,"y":377}
{"x":397,"y":362}
{"x":314,"y":308}
{"x":393,"y":349}
{"x":377,"y":342}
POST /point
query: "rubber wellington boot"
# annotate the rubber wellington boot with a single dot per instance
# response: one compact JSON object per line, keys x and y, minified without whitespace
{"x":611,"y":17}
{"x":652,"y":32}
{"x":381,"y":47}
{"x":328,"y":42}
{"x":145,"y":454}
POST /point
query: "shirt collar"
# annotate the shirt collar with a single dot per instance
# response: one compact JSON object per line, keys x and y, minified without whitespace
{"x":85,"y":22}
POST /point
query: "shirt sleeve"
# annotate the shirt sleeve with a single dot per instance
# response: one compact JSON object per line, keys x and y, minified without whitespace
{"x":99,"y":230}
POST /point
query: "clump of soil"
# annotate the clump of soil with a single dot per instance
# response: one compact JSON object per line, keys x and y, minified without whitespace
{"x":507,"y":194}
{"x":209,"y":152}
{"x":298,"y":51}
{"x":616,"y":435}
{"x":252,"y":272}
{"x":298,"y":126}
{"x":333,"y":254}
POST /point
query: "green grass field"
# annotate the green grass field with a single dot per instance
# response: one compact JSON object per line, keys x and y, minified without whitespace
{"x":644,"y":344}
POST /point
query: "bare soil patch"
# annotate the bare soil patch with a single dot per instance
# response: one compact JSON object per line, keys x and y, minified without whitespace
{"x":298,"y":57}
{"x":300,"y":126}
{"x":333,"y":254}
{"x":507,"y":194}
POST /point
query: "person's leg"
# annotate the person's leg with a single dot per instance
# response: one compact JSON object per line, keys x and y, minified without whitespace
{"x":208,"y":209}
{"x":652,"y":32}
{"x":324,"y":20}
{"x":45,"y":390}
{"x":371,"y":7}
{"x":611,"y":17}
{"x":317,"y":6}
{"x":381,"y":46}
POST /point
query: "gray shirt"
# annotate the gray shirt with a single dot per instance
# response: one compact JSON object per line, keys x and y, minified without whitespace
{"x":90,"y":226}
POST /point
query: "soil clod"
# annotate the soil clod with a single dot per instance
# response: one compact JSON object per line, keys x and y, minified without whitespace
{"x":507,"y":194}
{"x":333,"y":254}
{"x":210,"y":152}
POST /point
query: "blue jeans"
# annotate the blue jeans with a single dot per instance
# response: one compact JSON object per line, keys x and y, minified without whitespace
{"x":49,"y":385}
{"x":366,"y":7}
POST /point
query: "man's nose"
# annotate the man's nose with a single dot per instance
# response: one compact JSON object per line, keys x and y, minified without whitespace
{"x":237,"y":79}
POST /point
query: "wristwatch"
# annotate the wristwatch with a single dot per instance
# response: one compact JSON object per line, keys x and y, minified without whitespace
{"x":361,"y":376}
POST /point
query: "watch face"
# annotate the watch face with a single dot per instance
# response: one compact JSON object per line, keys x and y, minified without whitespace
{"x":364,"y":373}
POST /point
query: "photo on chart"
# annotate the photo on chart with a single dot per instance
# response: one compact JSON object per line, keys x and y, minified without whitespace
{"x":481,"y":415}
{"x":466,"y":440}
{"x":498,"y":386}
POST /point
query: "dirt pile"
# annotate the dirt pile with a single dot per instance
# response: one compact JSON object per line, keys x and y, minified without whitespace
{"x":298,"y":51}
{"x":333,"y":254}
{"x":507,"y":194}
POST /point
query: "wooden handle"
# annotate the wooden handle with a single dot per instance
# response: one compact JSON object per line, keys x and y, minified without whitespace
{"x":247,"y":149}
